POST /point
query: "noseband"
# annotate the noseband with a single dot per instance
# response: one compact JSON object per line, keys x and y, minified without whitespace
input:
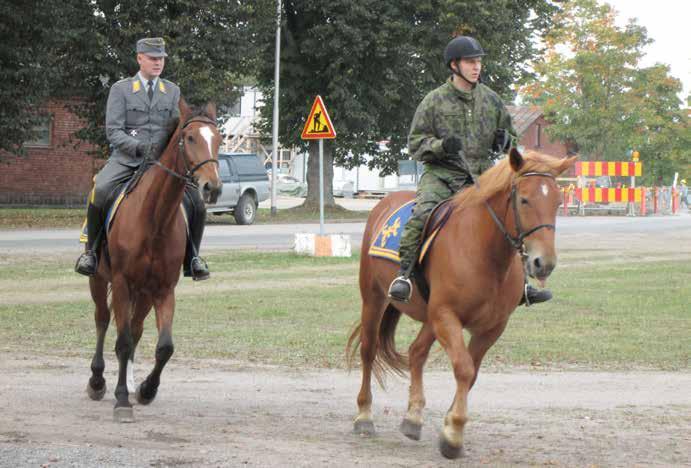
{"x":189,"y":172}
{"x":517,"y":241}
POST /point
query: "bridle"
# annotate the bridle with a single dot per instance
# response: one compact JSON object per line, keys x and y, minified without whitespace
{"x":189,"y":172}
{"x":517,"y":241}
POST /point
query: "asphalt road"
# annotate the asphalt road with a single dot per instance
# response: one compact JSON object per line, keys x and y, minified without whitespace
{"x":570,"y":230}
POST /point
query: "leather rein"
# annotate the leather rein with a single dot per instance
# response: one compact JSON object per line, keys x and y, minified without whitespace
{"x":189,"y":172}
{"x":517,"y":241}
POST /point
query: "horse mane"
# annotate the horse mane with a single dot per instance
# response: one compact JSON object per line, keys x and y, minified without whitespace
{"x":500,"y":177}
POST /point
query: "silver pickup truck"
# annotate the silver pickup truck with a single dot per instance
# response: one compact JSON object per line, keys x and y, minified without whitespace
{"x":245,"y":185}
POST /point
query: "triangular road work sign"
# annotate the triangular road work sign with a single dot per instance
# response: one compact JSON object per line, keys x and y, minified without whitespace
{"x":318,"y":123}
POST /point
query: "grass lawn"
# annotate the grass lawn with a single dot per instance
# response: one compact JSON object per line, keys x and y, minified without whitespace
{"x":279,"y":308}
{"x":44,"y":218}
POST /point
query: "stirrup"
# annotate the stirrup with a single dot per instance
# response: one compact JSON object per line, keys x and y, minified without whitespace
{"x":392,"y":294}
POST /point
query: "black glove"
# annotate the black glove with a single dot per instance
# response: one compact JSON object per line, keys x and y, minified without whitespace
{"x":502,"y":141}
{"x":145,"y":150}
{"x":452,"y":144}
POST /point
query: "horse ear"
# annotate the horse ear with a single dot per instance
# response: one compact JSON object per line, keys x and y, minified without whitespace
{"x":210,"y":110}
{"x":183,"y":108}
{"x":515,"y":159}
{"x":567,"y":163}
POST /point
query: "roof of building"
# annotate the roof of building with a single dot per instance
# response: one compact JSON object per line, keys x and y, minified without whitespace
{"x":523,"y":116}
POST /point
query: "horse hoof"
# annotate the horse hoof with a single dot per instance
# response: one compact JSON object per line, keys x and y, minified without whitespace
{"x":448,"y":450}
{"x":141,"y":399}
{"x":364,"y":427}
{"x":94,"y":394}
{"x":411,"y":429}
{"x":123,"y":414}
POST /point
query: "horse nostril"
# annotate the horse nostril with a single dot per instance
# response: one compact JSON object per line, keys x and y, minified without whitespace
{"x":537,"y":263}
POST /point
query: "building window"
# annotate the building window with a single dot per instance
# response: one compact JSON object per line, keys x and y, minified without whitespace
{"x":43,"y":135}
{"x":538,"y":135}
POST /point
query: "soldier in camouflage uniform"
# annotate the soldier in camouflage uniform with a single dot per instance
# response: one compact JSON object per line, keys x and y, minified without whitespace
{"x":457,"y":130}
{"x":139,"y":115}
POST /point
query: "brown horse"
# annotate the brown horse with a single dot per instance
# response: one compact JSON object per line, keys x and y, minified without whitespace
{"x":146,"y":246}
{"x":499,"y":229}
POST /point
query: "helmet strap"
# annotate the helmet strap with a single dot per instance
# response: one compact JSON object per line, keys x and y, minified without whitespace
{"x":458,"y":73}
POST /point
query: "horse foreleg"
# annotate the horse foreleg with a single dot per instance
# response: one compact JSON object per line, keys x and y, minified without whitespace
{"x":165,"y":308}
{"x":449,"y":332}
{"x":411,"y":426}
{"x":96,"y":387}
{"x":369,"y":326}
{"x":124,"y":347}
{"x":142,"y":306}
{"x":480,"y":344}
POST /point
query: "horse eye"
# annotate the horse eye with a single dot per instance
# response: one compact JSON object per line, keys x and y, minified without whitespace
{"x":190,"y":139}
{"x":524,"y":201}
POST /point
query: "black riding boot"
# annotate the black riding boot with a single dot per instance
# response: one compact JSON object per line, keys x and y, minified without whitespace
{"x":194,"y":265}
{"x":87,"y":263}
{"x":535,"y":296}
{"x":401,"y":288}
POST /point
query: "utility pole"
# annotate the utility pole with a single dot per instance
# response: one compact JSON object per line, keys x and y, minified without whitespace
{"x":277,"y":74}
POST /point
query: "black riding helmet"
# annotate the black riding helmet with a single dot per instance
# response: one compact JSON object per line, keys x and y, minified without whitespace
{"x":462,"y":47}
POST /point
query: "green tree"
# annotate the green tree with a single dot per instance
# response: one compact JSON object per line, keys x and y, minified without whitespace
{"x":30,"y":69}
{"x":373,"y":61}
{"x":594,"y":93}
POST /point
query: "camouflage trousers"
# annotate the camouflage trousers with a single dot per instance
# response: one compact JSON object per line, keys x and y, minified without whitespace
{"x":434,"y":187}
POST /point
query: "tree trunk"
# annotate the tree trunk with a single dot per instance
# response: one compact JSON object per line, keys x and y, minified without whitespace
{"x":312,"y":198}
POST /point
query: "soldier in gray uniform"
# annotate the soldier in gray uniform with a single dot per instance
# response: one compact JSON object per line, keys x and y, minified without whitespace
{"x":140,"y":116}
{"x":457,"y":130}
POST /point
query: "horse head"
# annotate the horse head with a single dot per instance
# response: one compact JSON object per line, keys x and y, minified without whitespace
{"x":199,"y":142}
{"x":535,"y":198}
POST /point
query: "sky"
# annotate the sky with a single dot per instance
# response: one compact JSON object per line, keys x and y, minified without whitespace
{"x":667,"y":22}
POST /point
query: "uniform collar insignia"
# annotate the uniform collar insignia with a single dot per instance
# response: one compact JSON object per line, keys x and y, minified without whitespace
{"x":136,"y":85}
{"x":161,"y":86}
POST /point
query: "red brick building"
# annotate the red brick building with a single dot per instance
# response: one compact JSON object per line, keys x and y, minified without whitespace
{"x":57,"y":170}
{"x":530,"y":124}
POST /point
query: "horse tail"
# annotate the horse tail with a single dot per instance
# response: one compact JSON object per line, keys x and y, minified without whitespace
{"x":387,"y":358}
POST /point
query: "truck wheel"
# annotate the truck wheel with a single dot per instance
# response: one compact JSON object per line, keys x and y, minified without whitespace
{"x":246,"y":210}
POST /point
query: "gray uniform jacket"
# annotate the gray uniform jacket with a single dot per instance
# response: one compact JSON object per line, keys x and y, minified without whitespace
{"x":131,"y":118}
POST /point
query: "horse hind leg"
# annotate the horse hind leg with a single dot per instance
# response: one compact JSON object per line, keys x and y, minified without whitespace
{"x":96,"y":387}
{"x":165,"y":307}
{"x":366,"y":334}
{"x":411,"y":426}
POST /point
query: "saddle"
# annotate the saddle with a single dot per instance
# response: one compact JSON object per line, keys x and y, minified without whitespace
{"x":387,"y":242}
{"x":119,"y":192}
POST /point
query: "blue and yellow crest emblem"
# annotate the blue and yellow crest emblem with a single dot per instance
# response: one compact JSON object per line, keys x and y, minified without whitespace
{"x":388,"y":239}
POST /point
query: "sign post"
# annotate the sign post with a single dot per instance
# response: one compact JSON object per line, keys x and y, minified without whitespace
{"x":319,"y":127}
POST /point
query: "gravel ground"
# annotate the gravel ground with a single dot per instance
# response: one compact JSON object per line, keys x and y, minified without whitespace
{"x":223,"y":413}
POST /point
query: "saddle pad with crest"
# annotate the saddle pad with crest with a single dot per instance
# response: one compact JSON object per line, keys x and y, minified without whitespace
{"x":388,"y":240}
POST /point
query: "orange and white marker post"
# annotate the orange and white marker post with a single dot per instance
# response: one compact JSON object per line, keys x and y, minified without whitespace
{"x":319,"y":127}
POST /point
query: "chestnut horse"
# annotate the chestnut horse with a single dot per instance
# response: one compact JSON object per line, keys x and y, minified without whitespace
{"x":500,"y":229}
{"x":146,"y":246}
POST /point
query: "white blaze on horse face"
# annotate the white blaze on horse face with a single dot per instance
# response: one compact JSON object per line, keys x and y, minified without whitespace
{"x":208,"y":136}
{"x":545,"y":189}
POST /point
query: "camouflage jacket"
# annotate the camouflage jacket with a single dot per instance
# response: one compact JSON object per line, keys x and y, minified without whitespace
{"x":471,"y":115}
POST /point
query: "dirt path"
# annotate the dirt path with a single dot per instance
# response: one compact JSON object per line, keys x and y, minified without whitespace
{"x":219,"y":413}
